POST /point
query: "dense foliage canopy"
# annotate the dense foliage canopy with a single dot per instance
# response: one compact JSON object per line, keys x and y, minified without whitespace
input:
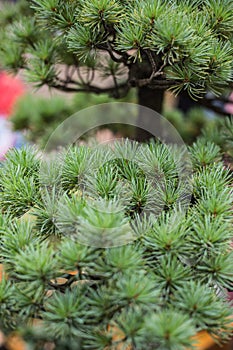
{"x":116,"y":254}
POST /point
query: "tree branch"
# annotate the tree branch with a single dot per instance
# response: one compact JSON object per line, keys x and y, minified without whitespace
{"x":162,"y":84}
{"x":91,"y":75}
{"x":154,"y":74}
{"x":208,"y":103}
{"x":109,"y":50}
{"x":124,"y":87}
{"x":152,"y":61}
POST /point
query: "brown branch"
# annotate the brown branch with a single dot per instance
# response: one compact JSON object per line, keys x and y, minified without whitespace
{"x":73,"y":69}
{"x":69,"y":81}
{"x":91,"y":75}
{"x":95,"y":89}
{"x":154,"y":74}
{"x":80,"y":82}
{"x":115,"y":83}
{"x":223,"y":99}
{"x":152,"y":61}
{"x":69,"y":72}
{"x":113,"y":57}
{"x":162,"y":84}
{"x":109,"y":50}
{"x":208,"y":103}
{"x":80,"y":76}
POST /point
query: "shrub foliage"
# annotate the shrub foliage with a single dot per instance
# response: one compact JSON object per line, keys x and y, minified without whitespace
{"x":103,"y":252}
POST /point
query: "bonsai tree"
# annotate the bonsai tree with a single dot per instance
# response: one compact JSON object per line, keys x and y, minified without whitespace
{"x":148,"y":45}
{"x":116,"y":254}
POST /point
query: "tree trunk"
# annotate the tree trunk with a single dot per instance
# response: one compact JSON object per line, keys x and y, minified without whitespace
{"x":152,"y":99}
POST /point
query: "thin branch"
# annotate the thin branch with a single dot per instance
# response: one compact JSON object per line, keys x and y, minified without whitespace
{"x":65,"y":82}
{"x":113,"y":57}
{"x":208,"y":103}
{"x":69,"y":72}
{"x":80,"y":76}
{"x":77,"y":69}
{"x":108,"y":48}
{"x":162,"y":84}
{"x":152,"y":61}
{"x":124,"y":56}
{"x":67,"y":68}
{"x":115,"y":83}
{"x":87,"y":80}
{"x":73,"y":69}
{"x":91,"y":75}
{"x":92,"y":88}
{"x":223,"y":99}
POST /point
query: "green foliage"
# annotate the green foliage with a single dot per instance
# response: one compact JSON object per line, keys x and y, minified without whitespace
{"x":168,"y":323}
{"x":220,"y":14}
{"x":39,"y":116}
{"x":98,"y":272}
{"x":204,"y":153}
{"x":13,"y":11}
{"x":188,"y":44}
{"x":20,"y":169}
{"x":16,"y":237}
{"x":199,"y":303}
{"x":222,"y":134}
{"x":227,"y":133}
{"x":83,"y":42}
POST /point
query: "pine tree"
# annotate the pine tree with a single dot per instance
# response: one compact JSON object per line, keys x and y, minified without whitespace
{"x":152,"y":45}
{"x":117,"y":256}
